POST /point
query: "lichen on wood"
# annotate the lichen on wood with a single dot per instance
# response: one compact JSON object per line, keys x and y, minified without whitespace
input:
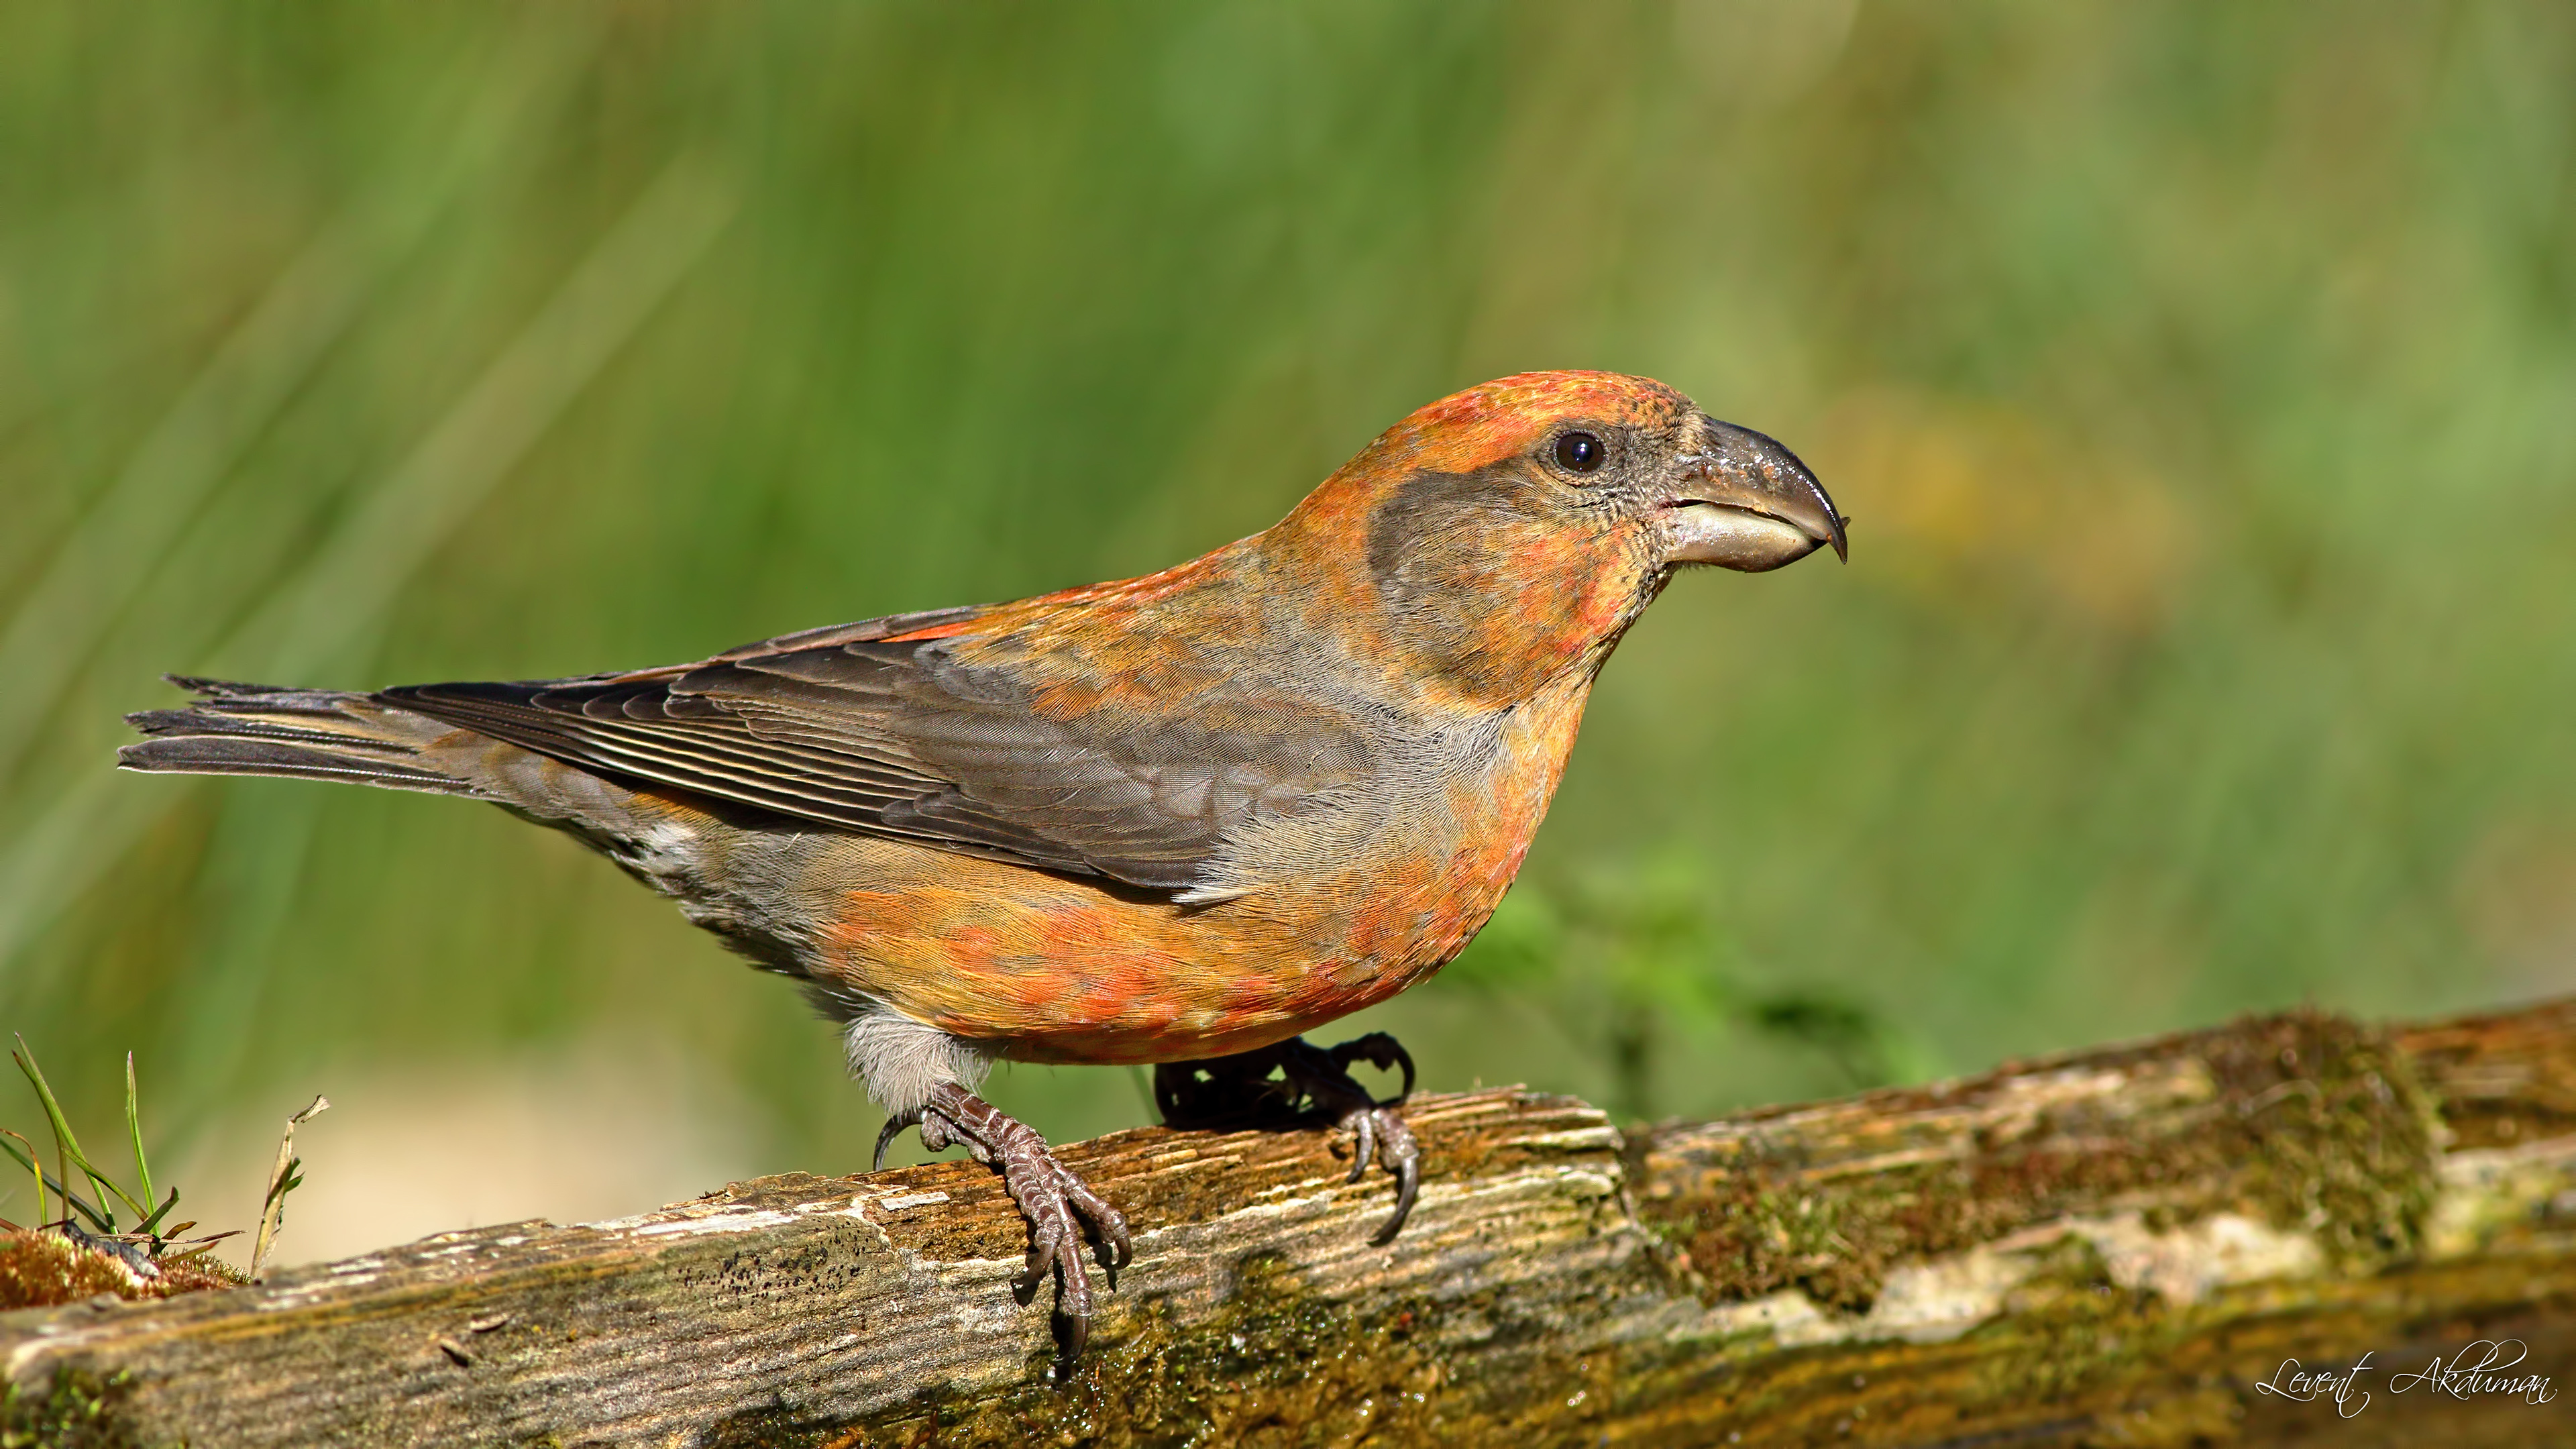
{"x":2107,"y":1246}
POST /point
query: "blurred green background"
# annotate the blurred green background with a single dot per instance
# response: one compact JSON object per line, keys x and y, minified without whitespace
{"x":2202,"y":378}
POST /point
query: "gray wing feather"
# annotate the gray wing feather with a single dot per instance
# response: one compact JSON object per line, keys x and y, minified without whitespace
{"x":840,"y":727}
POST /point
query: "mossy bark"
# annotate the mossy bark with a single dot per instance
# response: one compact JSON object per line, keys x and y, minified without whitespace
{"x":2112,"y":1247}
{"x":45,"y":1269}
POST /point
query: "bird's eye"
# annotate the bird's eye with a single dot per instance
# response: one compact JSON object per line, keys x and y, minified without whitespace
{"x":1580,"y":452}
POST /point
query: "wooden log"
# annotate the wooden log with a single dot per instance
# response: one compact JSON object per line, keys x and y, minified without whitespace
{"x":2110,"y":1247}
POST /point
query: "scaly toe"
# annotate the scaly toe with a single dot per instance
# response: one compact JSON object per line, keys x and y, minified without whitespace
{"x":1380,"y":1051}
{"x":1109,"y":1229}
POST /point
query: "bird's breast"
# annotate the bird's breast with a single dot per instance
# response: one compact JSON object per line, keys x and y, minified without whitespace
{"x":1065,"y":971}
{"x":1352,"y":904}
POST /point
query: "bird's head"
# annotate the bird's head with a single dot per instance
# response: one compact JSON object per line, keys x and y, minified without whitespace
{"x":1517,"y":528}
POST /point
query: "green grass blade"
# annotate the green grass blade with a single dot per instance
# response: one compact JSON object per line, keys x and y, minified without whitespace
{"x":72,"y":1202}
{"x":25,"y":1057}
{"x":152,"y":1224}
{"x":27,"y":1159}
{"x":69,"y":1145}
{"x":66,"y":1145}
{"x":134,"y":1129}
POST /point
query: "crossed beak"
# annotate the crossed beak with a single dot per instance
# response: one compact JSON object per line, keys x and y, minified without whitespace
{"x":1741,"y":501}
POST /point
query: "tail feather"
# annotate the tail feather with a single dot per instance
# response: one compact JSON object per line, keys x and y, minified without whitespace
{"x":307,"y":734}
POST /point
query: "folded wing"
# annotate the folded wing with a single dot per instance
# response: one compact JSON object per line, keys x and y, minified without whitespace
{"x":918,"y":740}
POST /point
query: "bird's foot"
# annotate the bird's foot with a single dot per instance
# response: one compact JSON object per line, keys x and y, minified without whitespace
{"x":1311,"y":1080}
{"x":1058,"y":1205}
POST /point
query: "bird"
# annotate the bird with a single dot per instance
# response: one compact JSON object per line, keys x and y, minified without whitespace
{"x":1179,"y":820}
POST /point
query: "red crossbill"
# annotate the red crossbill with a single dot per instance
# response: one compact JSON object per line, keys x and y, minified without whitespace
{"x":1179,"y":819}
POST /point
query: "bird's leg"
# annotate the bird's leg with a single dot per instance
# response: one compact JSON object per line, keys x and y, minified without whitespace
{"x":1312,"y":1081}
{"x":1058,"y":1205}
{"x":1235,"y":1091}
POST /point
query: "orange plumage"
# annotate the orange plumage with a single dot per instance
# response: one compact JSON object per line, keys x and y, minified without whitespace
{"x":1179,"y":819}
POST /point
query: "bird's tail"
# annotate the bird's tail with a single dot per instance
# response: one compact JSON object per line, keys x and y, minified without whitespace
{"x":305,"y":734}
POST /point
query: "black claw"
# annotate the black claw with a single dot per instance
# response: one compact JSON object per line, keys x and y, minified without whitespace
{"x":1072,"y":1335}
{"x":1364,"y":1142}
{"x":1041,"y":1261}
{"x":1408,"y":1183}
{"x":893,"y":1129}
{"x":1110,"y":1244}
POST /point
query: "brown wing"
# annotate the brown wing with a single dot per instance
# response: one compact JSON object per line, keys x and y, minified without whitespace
{"x":906,"y":739}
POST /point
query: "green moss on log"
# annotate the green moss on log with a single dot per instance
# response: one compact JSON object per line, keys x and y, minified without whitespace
{"x":42,"y":1269}
{"x":2336,"y":1131}
{"x":1277,"y":1363}
{"x":80,"y":1410}
{"x":2315,"y":1124}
